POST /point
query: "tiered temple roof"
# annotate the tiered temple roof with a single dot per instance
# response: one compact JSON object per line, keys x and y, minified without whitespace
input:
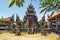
{"x":6,"y":19}
{"x":30,"y":15}
{"x":54,"y":16}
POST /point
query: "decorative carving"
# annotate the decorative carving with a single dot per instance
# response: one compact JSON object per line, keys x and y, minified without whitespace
{"x":30,"y":19}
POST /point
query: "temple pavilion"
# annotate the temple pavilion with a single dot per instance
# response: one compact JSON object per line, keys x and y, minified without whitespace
{"x":54,"y":22}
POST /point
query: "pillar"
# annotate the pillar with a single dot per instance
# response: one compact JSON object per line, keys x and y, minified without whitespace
{"x":56,"y":24}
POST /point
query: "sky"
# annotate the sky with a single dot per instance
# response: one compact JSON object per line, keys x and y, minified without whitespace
{"x":5,"y":11}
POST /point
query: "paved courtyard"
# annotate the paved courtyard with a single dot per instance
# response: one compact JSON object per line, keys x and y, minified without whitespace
{"x":9,"y":36}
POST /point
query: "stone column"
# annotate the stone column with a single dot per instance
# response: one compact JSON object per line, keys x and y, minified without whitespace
{"x":49,"y":27}
{"x":56,"y":24}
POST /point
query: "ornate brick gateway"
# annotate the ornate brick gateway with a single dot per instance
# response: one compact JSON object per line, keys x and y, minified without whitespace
{"x":30,"y":19}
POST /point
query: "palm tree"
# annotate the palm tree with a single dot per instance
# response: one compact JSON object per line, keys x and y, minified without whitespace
{"x":50,"y":6}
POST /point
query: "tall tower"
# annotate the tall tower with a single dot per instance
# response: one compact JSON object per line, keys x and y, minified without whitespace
{"x":43,"y":21}
{"x":17,"y":19}
{"x":18,"y":25}
{"x":30,"y":19}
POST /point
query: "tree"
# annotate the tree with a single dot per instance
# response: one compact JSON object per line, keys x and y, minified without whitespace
{"x":50,"y":6}
{"x":46,"y":5}
{"x":18,"y":3}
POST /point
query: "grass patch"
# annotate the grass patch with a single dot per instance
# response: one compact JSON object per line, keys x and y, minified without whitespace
{"x":51,"y":37}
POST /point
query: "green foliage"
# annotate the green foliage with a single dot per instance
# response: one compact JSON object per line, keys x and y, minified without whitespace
{"x":43,"y":10}
{"x":12,"y":3}
{"x":52,"y":13}
{"x":18,"y":3}
{"x":49,"y":5}
{"x":46,"y":5}
{"x":31,"y":1}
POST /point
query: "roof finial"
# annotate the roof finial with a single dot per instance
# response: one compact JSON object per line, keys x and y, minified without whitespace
{"x":13,"y":16}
